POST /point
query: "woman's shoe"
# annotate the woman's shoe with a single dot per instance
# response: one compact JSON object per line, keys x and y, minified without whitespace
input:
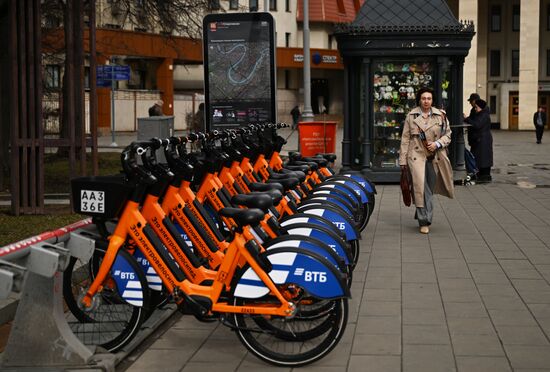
{"x":424,"y":229}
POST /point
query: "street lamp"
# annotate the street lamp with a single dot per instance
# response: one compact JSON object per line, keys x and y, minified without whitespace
{"x":307,"y":114}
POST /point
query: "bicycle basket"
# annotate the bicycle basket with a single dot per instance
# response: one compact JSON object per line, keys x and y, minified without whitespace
{"x":100,"y":196}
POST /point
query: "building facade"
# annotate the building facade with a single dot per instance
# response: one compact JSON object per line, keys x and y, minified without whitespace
{"x":510,"y":58}
{"x":508,"y":64}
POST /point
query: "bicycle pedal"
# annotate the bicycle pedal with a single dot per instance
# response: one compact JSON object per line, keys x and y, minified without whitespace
{"x":211,"y":318}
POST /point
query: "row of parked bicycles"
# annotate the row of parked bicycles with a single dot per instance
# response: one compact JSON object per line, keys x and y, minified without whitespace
{"x":230,"y":233}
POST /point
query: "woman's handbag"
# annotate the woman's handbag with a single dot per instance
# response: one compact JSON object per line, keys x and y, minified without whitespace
{"x":406,"y":186}
{"x":430,"y":155}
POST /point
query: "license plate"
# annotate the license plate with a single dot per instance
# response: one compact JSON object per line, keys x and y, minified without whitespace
{"x":92,"y":201}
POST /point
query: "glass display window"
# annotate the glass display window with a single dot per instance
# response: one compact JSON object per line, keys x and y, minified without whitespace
{"x":395,"y":83}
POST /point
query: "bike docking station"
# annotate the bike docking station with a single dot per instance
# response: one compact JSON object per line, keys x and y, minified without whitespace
{"x":40,"y":336}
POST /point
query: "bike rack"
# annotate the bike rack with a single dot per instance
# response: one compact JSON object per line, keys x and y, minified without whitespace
{"x":40,"y":334}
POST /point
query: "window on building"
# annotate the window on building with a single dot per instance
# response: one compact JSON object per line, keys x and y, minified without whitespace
{"x":86,"y":77}
{"x":287,"y":39}
{"x":272,"y":4}
{"x":494,"y":60}
{"x":52,"y":76}
{"x":493,"y":104}
{"x":253,"y":5}
{"x":233,"y":4}
{"x":515,"y":17}
{"x":496,"y":18}
{"x":287,"y":79}
{"x":547,"y":62}
{"x":287,"y":5}
{"x":214,"y":4}
{"x":515,"y":62}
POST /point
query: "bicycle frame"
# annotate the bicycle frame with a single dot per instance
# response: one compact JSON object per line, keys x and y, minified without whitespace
{"x":133,"y":224}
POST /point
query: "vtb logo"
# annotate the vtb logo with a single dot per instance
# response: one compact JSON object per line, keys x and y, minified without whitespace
{"x":311,"y":276}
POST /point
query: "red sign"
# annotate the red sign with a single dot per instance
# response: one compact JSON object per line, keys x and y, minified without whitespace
{"x":317,"y":137}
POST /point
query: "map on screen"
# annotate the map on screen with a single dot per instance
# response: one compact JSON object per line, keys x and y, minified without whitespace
{"x":239,"y":70}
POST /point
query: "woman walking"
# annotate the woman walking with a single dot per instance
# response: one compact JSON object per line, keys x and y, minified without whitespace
{"x":426,"y":134}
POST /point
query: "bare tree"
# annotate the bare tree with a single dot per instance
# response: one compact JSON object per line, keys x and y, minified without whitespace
{"x":169,"y":18}
{"x":179,"y":17}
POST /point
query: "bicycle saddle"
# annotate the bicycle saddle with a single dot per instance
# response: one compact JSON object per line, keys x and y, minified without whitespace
{"x":297,"y":168}
{"x":298,"y":173}
{"x":330,"y":157}
{"x":243,"y":217}
{"x":310,"y":164}
{"x":275,"y":195}
{"x":257,"y":186}
{"x":278,"y":176}
{"x":322,"y":162}
{"x":253,"y":200}
{"x":288,"y":183}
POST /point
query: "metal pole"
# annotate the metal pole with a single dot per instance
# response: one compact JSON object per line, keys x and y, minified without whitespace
{"x":113,"y":144}
{"x":93,"y":88}
{"x":307,"y":114}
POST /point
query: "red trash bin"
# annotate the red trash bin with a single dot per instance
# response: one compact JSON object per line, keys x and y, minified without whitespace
{"x":316,"y":137}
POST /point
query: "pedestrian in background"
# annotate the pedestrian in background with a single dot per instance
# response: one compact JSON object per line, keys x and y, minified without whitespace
{"x":426,"y":134}
{"x":198,"y":120}
{"x":156,"y":109}
{"x":481,"y":140}
{"x":539,"y":120}
{"x":295,"y":112}
{"x":197,"y":125}
{"x":471,"y":116}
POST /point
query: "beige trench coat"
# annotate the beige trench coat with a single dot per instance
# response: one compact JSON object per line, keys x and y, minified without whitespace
{"x":414,"y":154}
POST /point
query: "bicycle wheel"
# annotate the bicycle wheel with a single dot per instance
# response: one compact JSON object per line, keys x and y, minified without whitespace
{"x":112,"y":322}
{"x":291,"y":342}
{"x":312,"y":320}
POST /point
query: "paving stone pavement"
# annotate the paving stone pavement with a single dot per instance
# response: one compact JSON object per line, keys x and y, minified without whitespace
{"x":473,"y":295}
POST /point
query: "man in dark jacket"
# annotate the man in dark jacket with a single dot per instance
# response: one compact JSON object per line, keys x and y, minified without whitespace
{"x":295,"y":112}
{"x":539,"y":120}
{"x":481,"y":140}
{"x":156,"y":109}
{"x":468,"y":119}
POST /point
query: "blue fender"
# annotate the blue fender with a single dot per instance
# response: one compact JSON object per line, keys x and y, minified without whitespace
{"x":153,"y":280}
{"x":294,"y":266}
{"x":296,"y":218}
{"x":127,"y":281}
{"x":321,"y":199}
{"x":337,"y":257}
{"x":368,"y":185}
{"x":347,"y":195}
{"x":183,"y":235}
{"x":341,"y":222}
{"x":311,"y":230}
{"x":355,"y":188}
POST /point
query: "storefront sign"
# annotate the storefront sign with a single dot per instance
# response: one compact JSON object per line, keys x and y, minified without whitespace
{"x":316,"y":58}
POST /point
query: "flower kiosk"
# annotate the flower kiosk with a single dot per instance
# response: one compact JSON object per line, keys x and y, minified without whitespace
{"x":390,"y":51}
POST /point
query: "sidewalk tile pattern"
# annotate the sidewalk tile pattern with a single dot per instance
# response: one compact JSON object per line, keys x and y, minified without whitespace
{"x":473,"y":295}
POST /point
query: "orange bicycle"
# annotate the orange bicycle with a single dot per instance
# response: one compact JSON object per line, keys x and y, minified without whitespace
{"x":288,"y":306}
